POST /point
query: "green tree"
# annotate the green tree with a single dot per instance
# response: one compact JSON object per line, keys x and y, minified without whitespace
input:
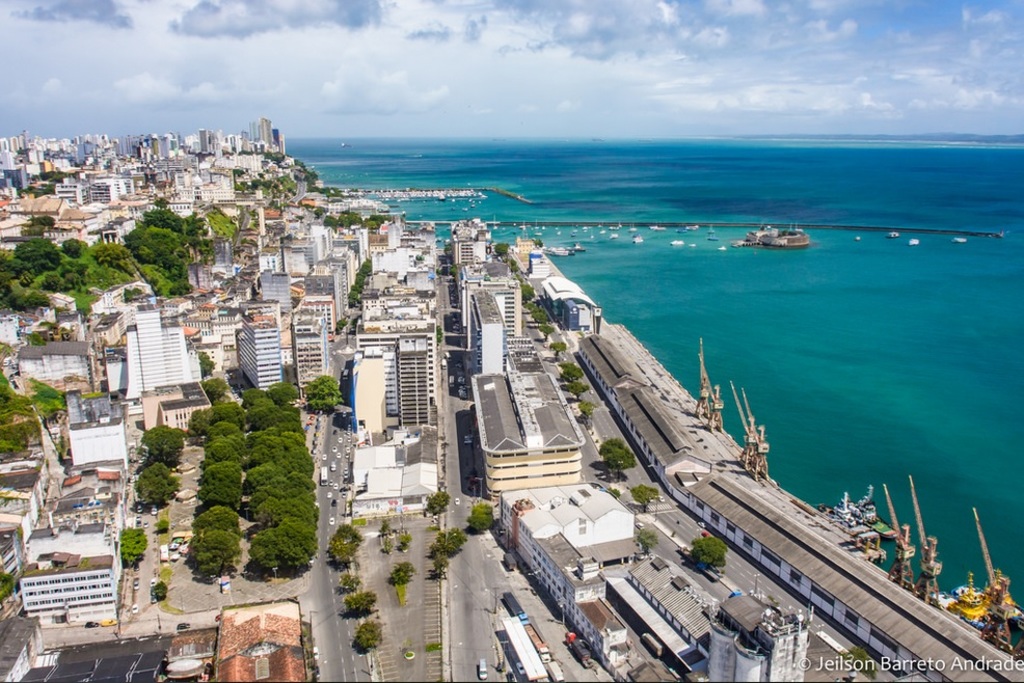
{"x":224,"y":449}
{"x":73,"y":248}
{"x":559,"y":348}
{"x":133,"y":546}
{"x":440,"y":566}
{"x":163,"y":525}
{"x":368,"y":635}
{"x":164,"y":445}
{"x":501,"y":249}
{"x":708,"y":550}
{"x":646,"y":539}
{"x":577,"y":389}
{"x":199,"y":422}
{"x":228,"y":411}
{"x":288,"y":545}
{"x":37,"y":255}
{"x":360,"y":603}
{"x":545,"y":329}
{"x":114,"y":256}
{"x":216,"y":389}
{"x":252,"y":397}
{"x":540,"y":316}
{"x":216,"y":549}
{"x":323,"y":394}
{"x":617,"y":456}
{"x":160,"y":590}
{"x":404,"y":541}
{"x":866,"y":664}
{"x":401,"y":574}
{"x":206,"y":366}
{"x":223,"y":430}
{"x":527,"y":292}
{"x":644,"y":495}
{"x":156,"y":484}
{"x":217,"y":518}
{"x":438,"y":502}
{"x":345,"y":543}
{"x":448,"y":542}
{"x":586,"y":410}
{"x":481,"y":517}
{"x":570,"y":372}
{"x":283,"y":394}
{"x":349,"y":582}
{"x":221,"y":484}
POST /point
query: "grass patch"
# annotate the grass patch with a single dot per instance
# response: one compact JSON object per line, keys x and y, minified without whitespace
{"x":359,"y":522}
{"x":400,"y":589}
{"x":47,"y":399}
{"x":170,"y":609}
{"x":433,"y":647}
{"x":165,"y":575}
{"x":221,"y":225}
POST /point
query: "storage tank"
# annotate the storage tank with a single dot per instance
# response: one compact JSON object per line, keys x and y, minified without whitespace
{"x":721,"y":653}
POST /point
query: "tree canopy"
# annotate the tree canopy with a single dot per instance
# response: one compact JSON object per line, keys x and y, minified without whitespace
{"x":570,"y":372}
{"x":156,"y":484}
{"x":617,"y":456}
{"x":481,"y":517}
{"x":709,"y":550}
{"x":216,"y":389}
{"x":438,"y":502}
{"x":401,"y":574}
{"x":221,"y":484}
{"x":646,"y":539}
{"x":323,"y":394}
{"x":214,"y":550}
{"x":133,"y":545}
{"x":345,"y":543}
{"x":164,"y":445}
{"x":368,"y":635}
{"x":282,"y":394}
{"x":644,"y":495}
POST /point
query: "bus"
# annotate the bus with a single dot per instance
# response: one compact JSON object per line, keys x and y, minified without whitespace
{"x":323,"y":476}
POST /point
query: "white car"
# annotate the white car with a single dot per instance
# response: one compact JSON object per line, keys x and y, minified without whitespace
{"x":331,"y":521}
{"x":334,"y":449}
{"x":457,"y":501}
{"x":330,"y":494}
{"x":324,"y":456}
{"x":135,"y":608}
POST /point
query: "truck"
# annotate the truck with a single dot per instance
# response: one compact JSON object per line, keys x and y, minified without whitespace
{"x":513,"y":606}
{"x":538,"y":643}
{"x":165,"y":553}
{"x":579,"y":649}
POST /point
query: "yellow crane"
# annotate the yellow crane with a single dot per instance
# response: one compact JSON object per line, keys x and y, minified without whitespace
{"x":755,"y":447}
{"x":1000,"y":605}
{"x":901,"y":572}
{"x":927,"y":585}
{"x":710,"y":403}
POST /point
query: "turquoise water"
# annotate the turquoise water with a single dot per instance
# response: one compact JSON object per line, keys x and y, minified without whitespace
{"x":867,"y":360}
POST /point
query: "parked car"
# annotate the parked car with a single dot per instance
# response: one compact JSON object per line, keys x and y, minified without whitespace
{"x":184,"y":626}
{"x":135,"y":608}
{"x":92,"y":624}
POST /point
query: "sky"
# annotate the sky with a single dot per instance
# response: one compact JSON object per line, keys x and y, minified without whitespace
{"x":513,"y":68}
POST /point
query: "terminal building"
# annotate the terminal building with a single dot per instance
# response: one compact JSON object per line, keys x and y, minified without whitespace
{"x":787,"y":539}
{"x":528,"y":434}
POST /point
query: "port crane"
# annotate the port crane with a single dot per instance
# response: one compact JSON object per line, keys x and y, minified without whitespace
{"x":1000,"y":605}
{"x":901,"y":573}
{"x":927,"y":584}
{"x":710,"y":403}
{"x":755,"y":447}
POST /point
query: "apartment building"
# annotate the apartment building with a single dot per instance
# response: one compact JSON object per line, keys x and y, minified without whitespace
{"x":96,"y":429}
{"x":259,"y":350}
{"x":309,"y":345}
{"x":156,"y":352}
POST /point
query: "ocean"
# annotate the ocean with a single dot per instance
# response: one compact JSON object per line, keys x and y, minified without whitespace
{"x":867,"y":361}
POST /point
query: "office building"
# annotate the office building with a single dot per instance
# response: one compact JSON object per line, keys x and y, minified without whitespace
{"x":259,"y":350}
{"x":96,"y":430}
{"x":156,"y":352}
{"x":309,"y":346}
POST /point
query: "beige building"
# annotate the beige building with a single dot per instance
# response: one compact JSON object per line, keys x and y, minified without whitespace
{"x":371,"y":387}
{"x":528,"y":435}
{"x":172,"y":406}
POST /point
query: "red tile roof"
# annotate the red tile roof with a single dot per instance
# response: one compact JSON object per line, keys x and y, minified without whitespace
{"x":261,"y":632}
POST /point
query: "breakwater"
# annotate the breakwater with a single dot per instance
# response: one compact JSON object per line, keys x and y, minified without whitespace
{"x":755,"y":226}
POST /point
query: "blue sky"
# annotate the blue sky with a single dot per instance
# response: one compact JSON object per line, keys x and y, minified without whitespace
{"x":536,"y":68}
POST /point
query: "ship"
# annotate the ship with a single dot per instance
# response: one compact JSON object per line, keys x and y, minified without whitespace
{"x":773,"y":238}
{"x":578,"y":247}
{"x":856,"y":518}
{"x":559,"y":251}
{"x":637,"y":239}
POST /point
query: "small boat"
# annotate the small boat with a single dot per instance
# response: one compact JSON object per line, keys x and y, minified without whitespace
{"x":959,"y":240}
{"x":692,"y":228}
{"x":693,"y":245}
{"x":578,"y":247}
{"x":632,"y":228}
{"x":712,"y":237}
{"x":637,"y":239}
{"x":613,"y":236}
{"x":657,"y":228}
{"x":677,"y":243}
{"x":722,"y":248}
{"x":893,"y":235}
{"x":857,"y":238}
{"x":914,"y":242}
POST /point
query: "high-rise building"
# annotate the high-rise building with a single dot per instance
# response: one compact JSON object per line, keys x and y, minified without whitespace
{"x":259,"y":350}
{"x":486,"y":334}
{"x":156,"y":352}
{"x":309,"y":346}
{"x":277,"y":287}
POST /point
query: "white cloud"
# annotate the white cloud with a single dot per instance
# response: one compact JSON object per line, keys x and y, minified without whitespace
{"x":368,"y":91}
{"x":145,"y":88}
{"x":52,"y":86}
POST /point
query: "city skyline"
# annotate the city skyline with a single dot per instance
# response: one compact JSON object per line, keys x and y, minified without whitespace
{"x":516,"y":68}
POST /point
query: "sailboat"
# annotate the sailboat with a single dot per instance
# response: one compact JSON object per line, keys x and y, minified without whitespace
{"x":712,"y":237}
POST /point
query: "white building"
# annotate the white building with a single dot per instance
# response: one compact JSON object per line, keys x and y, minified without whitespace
{"x":259,"y":350}
{"x":752,"y":641}
{"x":156,"y":352}
{"x":395,"y":477}
{"x":309,"y":346}
{"x":565,"y":535}
{"x":72,"y":576}
{"x":96,"y":430}
{"x":486,"y":334}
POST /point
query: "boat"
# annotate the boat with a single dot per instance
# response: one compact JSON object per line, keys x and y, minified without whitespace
{"x":613,"y":236}
{"x":558,"y":251}
{"x":637,"y":239}
{"x":857,"y":517}
{"x":959,"y":240}
{"x":692,"y":228}
{"x":712,"y":237}
{"x":578,"y":247}
{"x":677,"y":243}
{"x":632,"y":228}
{"x":657,"y":228}
{"x":722,"y":248}
{"x":893,"y":235}
{"x":857,"y":238}
{"x":914,"y":242}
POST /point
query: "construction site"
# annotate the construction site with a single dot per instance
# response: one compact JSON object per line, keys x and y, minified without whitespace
{"x":874,"y":596}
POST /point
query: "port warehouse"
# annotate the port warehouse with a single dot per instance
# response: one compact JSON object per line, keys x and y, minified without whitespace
{"x":779,"y":533}
{"x":524,"y":649}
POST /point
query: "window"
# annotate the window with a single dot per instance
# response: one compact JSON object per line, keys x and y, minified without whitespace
{"x":851,"y":619}
{"x":748,"y":543}
{"x":715,"y":519}
{"x":730,"y":528}
{"x":823,"y":597}
{"x":795,"y":576}
{"x":769,"y":557}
